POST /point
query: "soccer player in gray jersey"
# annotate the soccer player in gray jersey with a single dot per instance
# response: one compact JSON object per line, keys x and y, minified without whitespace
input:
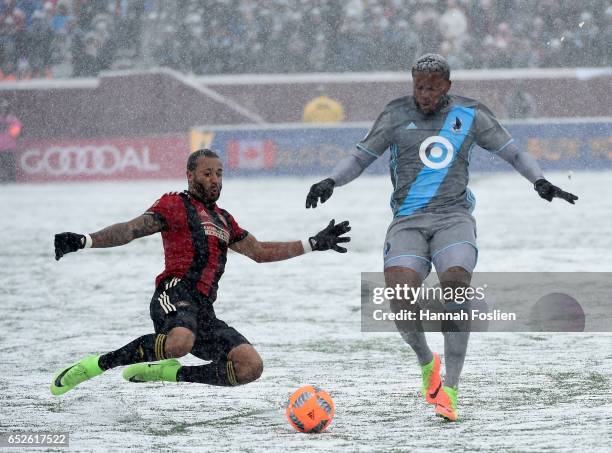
{"x":431,"y":135}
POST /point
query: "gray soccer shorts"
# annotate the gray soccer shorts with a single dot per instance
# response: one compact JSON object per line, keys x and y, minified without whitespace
{"x":442,"y":239}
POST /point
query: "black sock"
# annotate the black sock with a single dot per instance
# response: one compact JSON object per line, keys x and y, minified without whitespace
{"x":148,"y":348}
{"x":217,"y":373}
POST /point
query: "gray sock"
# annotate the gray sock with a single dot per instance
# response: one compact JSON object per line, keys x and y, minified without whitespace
{"x":412,"y":333}
{"x":455,"y":348}
{"x":418,"y":343}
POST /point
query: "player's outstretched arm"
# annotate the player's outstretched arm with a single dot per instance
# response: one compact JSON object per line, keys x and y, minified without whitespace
{"x":527,"y":166}
{"x":112,"y":236}
{"x":344,"y":172}
{"x":265,"y":252}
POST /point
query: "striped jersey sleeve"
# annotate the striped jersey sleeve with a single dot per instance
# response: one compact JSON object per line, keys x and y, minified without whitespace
{"x":165,"y":208}
{"x":237,"y":233}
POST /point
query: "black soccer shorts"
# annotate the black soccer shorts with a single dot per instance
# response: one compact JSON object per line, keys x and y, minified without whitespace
{"x":177,"y":304}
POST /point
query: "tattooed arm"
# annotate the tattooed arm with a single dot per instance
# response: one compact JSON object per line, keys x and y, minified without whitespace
{"x":112,"y":236}
{"x":265,"y":252}
{"x":122,"y":233}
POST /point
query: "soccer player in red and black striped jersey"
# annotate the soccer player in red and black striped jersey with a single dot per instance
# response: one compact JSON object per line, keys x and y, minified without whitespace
{"x":196,"y":234}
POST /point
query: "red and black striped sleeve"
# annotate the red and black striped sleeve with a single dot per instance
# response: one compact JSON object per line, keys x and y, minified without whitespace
{"x":237,"y":233}
{"x":164,"y":209}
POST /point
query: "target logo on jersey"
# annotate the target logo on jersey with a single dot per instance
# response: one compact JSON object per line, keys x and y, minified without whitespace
{"x":436,"y":152}
{"x":310,"y":409}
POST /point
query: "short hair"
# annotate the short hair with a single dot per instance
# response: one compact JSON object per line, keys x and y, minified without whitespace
{"x":192,"y":161}
{"x":432,"y":62}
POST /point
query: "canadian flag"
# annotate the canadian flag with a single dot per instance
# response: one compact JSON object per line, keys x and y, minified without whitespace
{"x":251,"y":154}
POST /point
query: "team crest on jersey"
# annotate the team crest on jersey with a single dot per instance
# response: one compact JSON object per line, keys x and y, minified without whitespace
{"x":212,"y":229}
{"x":456,"y":126}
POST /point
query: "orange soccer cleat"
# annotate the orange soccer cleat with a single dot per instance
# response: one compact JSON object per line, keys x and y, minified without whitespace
{"x":446,"y":404}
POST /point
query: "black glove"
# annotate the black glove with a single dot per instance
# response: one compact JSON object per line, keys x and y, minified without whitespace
{"x":322,"y":189}
{"x":547,"y":191}
{"x":330,"y":237}
{"x":68,"y":242}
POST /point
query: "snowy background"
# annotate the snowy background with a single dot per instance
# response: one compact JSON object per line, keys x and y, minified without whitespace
{"x":519,"y":392}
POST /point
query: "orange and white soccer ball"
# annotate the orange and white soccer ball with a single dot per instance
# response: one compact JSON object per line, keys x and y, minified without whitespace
{"x":310,"y":409}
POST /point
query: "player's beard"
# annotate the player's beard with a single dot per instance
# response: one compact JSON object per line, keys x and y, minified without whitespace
{"x":209,"y":196}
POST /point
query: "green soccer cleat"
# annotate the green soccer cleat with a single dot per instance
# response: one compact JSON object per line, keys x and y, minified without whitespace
{"x":71,"y":376}
{"x":432,"y":382}
{"x":164,"y":370}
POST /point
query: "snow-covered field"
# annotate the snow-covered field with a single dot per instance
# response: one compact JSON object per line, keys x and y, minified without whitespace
{"x":519,"y":392}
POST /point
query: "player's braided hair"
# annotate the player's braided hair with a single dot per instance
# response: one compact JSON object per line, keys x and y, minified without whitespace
{"x":432,"y":62}
{"x":192,"y":161}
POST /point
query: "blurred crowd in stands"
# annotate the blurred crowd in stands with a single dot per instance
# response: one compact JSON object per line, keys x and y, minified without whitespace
{"x":80,"y":38}
{"x":87,"y":36}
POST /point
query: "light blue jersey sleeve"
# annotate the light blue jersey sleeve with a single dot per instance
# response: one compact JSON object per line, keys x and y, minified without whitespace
{"x":350,"y":167}
{"x":373,"y":145}
{"x":493,"y":137}
{"x":377,"y":140}
{"x":489,"y":133}
{"x":522,"y":161}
